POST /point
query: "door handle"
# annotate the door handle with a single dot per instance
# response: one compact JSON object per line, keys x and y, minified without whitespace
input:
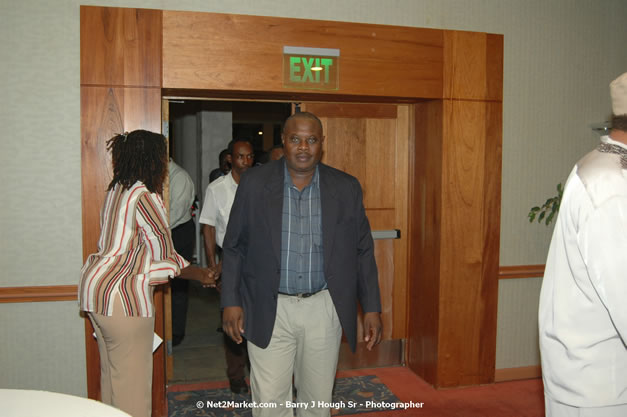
{"x":386,"y":234}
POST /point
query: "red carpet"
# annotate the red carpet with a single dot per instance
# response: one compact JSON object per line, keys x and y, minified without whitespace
{"x":505,"y":399}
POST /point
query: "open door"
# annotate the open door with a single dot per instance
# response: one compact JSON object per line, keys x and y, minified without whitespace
{"x":370,"y":142}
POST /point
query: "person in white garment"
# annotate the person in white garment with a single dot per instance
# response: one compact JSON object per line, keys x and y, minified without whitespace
{"x":214,"y":218}
{"x":182,"y":196}
{"x":583,"y":301}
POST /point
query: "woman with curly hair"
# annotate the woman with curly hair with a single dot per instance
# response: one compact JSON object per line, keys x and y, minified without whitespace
{"x":135,"y":253}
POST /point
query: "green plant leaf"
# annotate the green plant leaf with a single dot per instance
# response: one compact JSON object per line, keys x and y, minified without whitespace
{"x":549,"y":209}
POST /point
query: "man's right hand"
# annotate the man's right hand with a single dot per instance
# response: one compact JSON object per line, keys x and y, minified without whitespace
{"x":216,"y":270}
{"x":233,"y":323}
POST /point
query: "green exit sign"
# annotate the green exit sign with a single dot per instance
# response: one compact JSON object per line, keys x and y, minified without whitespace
{"x":311,"y":68}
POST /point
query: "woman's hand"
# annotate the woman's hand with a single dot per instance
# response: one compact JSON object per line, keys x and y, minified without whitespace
{"x":206,"y":276}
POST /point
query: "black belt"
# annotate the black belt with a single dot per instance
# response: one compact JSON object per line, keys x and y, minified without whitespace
{"x":301,"y":294}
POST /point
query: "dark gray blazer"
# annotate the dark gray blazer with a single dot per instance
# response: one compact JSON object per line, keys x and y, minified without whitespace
{"x":252,"y":250}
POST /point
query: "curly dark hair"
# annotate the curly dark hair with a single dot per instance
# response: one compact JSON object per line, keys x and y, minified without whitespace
{"x":138,"y":156}
{"x":619,"y":122}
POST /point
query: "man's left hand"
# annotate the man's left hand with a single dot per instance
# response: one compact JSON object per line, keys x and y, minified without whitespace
{"x":372,"y":329}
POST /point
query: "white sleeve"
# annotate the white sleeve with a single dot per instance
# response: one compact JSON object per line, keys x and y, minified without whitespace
{"x":152,"y":221}
{"x":181,"y":196}
{"x":209,"y":212}
{"x":603,"y":242}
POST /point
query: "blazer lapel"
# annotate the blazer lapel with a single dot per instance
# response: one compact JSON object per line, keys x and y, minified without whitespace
{"x":330,"y":212}
{"x":274,"y":207}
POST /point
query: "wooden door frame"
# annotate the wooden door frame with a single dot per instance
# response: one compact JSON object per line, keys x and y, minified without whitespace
{"x":390,"y":352}
{"x":131,"y":58}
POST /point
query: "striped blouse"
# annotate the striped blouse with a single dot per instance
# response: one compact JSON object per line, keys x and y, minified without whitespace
{"x":135,"y":252}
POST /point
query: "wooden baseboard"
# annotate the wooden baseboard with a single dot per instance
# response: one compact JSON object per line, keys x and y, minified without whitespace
{"x":38,"y":294}
{"x":521,"y":271}
{"x":513,"y":374}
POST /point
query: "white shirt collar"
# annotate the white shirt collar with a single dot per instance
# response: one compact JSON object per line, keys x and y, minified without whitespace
{"x":230,"y":179}
{"x":607,"y":139}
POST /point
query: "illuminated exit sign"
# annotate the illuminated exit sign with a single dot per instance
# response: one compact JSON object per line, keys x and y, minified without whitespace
{"x":311,"y":68}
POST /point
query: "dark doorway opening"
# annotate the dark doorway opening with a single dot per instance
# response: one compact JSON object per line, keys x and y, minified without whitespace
{"x":198,"y":131}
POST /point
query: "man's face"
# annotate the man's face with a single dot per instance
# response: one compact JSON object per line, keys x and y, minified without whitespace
{"x":302,"y":144}
{"x":242,"y":157}
{"x":225,"y":165}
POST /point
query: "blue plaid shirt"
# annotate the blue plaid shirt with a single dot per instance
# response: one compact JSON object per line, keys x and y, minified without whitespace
{"x":302,"y":261}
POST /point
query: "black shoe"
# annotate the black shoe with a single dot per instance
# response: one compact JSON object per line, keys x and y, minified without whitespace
{"x":238,"y":386}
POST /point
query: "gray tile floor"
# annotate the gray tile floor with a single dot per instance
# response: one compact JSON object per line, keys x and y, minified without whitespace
{"x":200,"y":357}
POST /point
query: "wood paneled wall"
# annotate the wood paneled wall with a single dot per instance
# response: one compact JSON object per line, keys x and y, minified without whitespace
{"x":453,"y":169}
{"x":425,"y":226}
{"x":457,"y":165}
{"x":121,"y":47}
{"x":207,"y":51}
{"x":120,"y":91}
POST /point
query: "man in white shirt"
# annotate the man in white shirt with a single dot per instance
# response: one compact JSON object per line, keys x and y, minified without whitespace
{"x":182,"y":196}
{"x":214,"y":218}
{"x":583,"y":312}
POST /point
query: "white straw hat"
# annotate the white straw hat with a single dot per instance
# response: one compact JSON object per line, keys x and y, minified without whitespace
{"x":618,"y":91}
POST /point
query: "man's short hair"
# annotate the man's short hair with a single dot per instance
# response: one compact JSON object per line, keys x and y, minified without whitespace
{"x":303,"y":115}
{"x":619,"y":122}
{"x":222,"y":155}
{"x":232,"y":143}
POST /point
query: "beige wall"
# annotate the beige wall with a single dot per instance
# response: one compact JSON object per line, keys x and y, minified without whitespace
{"x":517,"y":323}
{"x":39,"y":347}
{"x":560,"y":56}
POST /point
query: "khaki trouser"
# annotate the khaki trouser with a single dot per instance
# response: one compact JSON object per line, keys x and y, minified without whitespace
{"x":305,"y":343}
{"x":125,"y":346}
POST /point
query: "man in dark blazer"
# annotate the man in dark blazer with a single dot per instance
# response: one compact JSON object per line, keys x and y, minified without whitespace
{"x":298,"y":256}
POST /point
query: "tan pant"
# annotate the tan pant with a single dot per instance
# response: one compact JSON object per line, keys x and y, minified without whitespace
{"x":305,"y":343}
{"x":125,"y":346}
